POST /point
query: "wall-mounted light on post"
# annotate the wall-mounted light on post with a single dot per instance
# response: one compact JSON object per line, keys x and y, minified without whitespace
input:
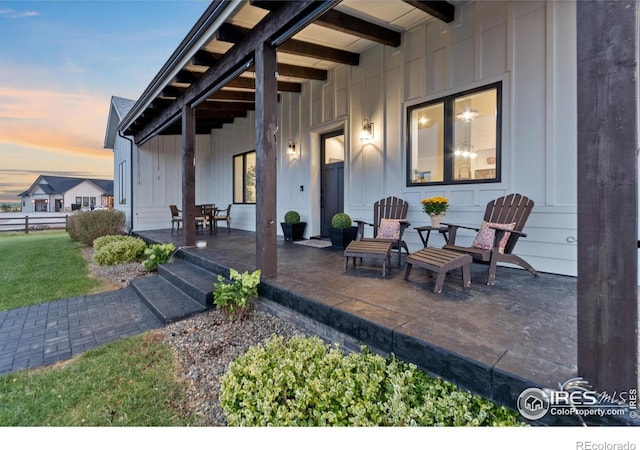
{"x":291,"y":148}
{"x":366,"y":134}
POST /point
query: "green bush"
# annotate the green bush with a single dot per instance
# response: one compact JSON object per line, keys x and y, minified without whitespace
{"x":85,"y":227}
{"x":292,"y":217}
{"x":304,"y":382}
{"x":119,"y":251}
{"x":157,"y":254}
{"x":234,"y":297}
{"x":341,"y":220}
{"x":102,"y":241}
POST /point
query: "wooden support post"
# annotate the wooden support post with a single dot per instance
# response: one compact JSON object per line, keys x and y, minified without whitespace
{"x":607,"y":49}
{"x":188,"y":175}
{"x":266,"y":150}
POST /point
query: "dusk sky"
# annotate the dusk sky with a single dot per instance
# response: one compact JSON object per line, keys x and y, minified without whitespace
{"x":60,"y":63}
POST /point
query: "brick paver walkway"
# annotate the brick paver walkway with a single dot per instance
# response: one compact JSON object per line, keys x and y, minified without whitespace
{"x":43,"y":334}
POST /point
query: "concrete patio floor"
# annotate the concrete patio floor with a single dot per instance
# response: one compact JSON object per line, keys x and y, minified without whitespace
{"x":494,"y":340}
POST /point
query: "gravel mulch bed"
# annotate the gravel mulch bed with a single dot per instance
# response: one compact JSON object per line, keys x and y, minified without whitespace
{"x":116,"y":277}
{"x":203,"y":345}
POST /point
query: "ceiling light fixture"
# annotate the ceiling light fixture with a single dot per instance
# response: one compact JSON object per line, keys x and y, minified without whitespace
{"x":468,"y":114}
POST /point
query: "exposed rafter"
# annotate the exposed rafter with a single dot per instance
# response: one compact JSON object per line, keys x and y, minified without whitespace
{"x":290,"y":16}
{"x":444,"y":11}
{"x":207,"y":59}
{"x":219,"y":105}
{"x":210,"y":76}
{"x":346,"y":23}
{"x":188,"y":77}
{"x":234,"y":34}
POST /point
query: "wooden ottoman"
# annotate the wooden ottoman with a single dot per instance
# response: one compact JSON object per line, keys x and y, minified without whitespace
{"x":440,"y":262}
{"x":368,"y":249}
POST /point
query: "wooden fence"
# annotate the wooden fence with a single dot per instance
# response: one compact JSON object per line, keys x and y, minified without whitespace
{"x":33,"y":223}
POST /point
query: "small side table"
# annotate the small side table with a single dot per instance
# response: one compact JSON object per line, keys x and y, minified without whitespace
{"x":428,"y":228}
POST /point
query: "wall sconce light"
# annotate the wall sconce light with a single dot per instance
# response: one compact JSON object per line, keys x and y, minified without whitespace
{"x":366,"y":134}
{"x":291,"y":148}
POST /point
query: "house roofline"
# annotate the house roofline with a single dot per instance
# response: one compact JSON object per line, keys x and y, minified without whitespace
{"x":201,"y":32}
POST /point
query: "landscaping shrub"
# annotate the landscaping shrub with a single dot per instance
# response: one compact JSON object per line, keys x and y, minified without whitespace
{"x":85,"y":227}
{"x":292,"y":217}
{"x":304,"y":382}
{"x":119,"y":250}
{"x":157,"y":254}
{"x":341,"y":220}
{"x":103,"y":241}
{"x":235,"y":296}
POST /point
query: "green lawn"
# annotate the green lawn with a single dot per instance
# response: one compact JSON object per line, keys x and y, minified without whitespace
{"x":40,"y":267}
{"x":130,"y":382}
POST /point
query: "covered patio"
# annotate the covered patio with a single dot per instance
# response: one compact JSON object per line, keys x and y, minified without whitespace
{"x":565,"y":146}
{"x":493,"y":340}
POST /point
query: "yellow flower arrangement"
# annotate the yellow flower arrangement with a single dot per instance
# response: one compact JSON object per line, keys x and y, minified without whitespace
{"x":435,"y":205}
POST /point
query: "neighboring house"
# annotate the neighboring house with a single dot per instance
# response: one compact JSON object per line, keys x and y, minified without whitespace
{"x":123,"y":200}
{"x":57,"y":194}
{"x":329,"y":106}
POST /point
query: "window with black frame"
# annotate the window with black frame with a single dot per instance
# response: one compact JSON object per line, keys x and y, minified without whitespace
{"x":455,"y":139}
{"x":244,"y":178}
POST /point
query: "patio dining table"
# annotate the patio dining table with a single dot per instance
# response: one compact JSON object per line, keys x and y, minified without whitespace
{"x":208,"y":211}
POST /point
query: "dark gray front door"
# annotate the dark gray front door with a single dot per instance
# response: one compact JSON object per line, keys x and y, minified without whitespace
{"x":332,"y":182}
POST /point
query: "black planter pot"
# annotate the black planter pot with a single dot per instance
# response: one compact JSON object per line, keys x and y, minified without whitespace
{"x":341,"y":237}
{"x":293,"y":231}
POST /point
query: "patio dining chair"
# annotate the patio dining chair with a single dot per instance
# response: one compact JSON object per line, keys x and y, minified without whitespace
{"x":504,"y":219}
{"x":389,"y":223}
{"x":222,"y":215}
{"x":176,"y":218}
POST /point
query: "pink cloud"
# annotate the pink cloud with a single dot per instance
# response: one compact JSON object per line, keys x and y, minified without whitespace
{"x":60,"y":122}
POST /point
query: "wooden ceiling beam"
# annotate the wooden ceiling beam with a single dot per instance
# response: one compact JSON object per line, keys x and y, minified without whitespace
{"x":186,"y":76}
{"x":172,"y":92}
{"x":250,"y":83}
{"x":239,"y":96}
{"x":346,"y":23}
{"x":207,"y":59}
{"x":217,"y":105}
{"x":207,"y":114}
{"x":234,"y":34}
{"x":290,"y":16}
{"x":444,"y":11}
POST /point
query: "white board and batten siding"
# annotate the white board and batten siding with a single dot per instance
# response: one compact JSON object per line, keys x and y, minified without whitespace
{"x":529,"y":46}
{"x":122,"y":200}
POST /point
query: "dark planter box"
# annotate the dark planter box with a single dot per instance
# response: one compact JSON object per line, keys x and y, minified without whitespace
{"x":293,"y":231}
{"x":341,"y":237}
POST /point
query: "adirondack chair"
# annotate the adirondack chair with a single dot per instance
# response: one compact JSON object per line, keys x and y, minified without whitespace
{"x":389,"y":223}
{"x":501,"y":228}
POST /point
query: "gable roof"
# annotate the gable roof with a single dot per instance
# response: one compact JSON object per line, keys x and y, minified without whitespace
{"x":118,"y":109}
{"x":52,"y":185}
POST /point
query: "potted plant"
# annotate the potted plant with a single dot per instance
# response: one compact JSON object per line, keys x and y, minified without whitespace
{"x":435,"y":207}
{"x":292,"y":228}
{"x":341,"y":232}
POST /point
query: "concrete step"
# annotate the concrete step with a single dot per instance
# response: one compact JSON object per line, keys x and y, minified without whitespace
{"x":167,"y":302}
{"x":191,"y":279}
